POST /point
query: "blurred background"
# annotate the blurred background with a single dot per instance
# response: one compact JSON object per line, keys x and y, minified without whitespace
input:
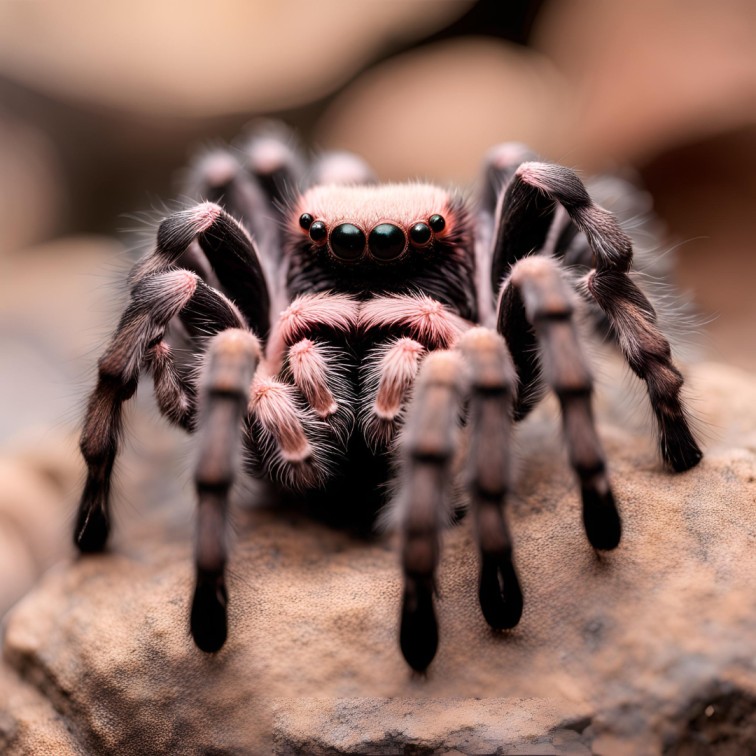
{"x":101,"y":103}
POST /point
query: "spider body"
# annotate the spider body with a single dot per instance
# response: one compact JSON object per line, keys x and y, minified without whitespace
{"x":440,"y":264}
{"x":345,"y":333}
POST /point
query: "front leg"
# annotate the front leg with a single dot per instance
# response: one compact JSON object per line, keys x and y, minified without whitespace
{"x":230,"y":363}
{"x":138,"y":342}
{"x":632,"y":317}
{"x":388,"y":371}
{"x":537,"y":294}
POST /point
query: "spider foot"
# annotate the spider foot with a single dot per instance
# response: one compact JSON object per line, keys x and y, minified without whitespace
{"x":679,"y":448}
{"x":92,"y":529}
{"x":418,"y":636}
{"x":601,"y":519}
{"x":499,"y":591}
{"x":208,"y":623}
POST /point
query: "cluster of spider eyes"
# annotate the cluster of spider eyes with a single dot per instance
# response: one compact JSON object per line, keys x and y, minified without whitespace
{"x":385,"y":242}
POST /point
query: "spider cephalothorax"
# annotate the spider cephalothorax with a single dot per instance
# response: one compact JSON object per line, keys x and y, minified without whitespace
{"x":362,"y":240}
{"x":344,"y":333}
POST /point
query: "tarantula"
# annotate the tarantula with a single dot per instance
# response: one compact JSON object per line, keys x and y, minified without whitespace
{"x":352,"y":332}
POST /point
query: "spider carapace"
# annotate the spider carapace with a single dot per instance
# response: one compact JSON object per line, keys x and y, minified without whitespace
{"x":343,"y":324}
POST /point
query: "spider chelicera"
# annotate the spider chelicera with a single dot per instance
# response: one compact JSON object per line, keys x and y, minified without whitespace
{"x":348,"y":332}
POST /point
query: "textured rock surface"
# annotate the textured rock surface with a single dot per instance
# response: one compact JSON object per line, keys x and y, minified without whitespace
{"x":651,"y":647}
{"x":34,"y":482}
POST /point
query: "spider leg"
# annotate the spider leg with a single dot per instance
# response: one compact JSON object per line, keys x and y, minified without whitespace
{"x":175,"y":396}
{"x":429,"y":445}
{"x":231,"y":360}
{"x":218,"y":176}
{"x":389,"y":368}
{"x":631,"y":315}
{"x":320,"y":370}
{"x":273,"y":156}
{"x":648,"y":353}
{"x":138,"y":340}
{"x":522,"y":219}
{"x":493,"y":384}
{"x":499,"y":165}
{"x":341,"y":168}
{"x":387,"y":376}
{"x":227,"y":247}
{"x":537,"y":287}
{"x":301,"y":403}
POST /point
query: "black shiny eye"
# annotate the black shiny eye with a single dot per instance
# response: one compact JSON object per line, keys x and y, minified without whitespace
{"x":305,"y":220}
{"x":347,"y":242}
{"x":387,"y":241}
{"x":437,"y":223}
{"x":318,"y":231}
{"x":420,"y":234}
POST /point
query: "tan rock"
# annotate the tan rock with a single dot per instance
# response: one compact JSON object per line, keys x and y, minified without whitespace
{"x":258,"y":56}
{"x":33,"y":527}
{"x":620,"y":654}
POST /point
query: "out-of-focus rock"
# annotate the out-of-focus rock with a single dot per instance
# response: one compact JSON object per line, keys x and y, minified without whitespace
{"x":32,"y":197}
{"x":54,"y":300}
{"x":706,"y":191}
{"x":602,"y":85}
{"x":646,"y":76}
{"x":29,"y":724}
{"x":648,"y":647}
{"x":36,"y":489}
{"x":435,"y":111}
{"x":231,"y":56}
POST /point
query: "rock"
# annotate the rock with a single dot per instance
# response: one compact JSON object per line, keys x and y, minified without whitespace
{"x":28,"y":722}
{"x":32,"y":192}
{"x":648,"y":648}
{"x":54,"y":298}
{"x":570,"y":93}
{"x":500,"y":92}
{"x":32,"y":526}
{"x":255,"y":58}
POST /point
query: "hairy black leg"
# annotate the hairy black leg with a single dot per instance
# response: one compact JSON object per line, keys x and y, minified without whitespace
{"x":231,"y":361}
{"x":175,"y":396}
{"x":218,"y":176}
{"x":545,"y":296}
{"x":154,"y":302}
{"x":272,"y":154}
{"x":138,"y":342}
{"x":341,"y":168}
{"x":206,"y":313}
{"x":493,"y":383}
{"x":227,"y":247}
{"x":631,"y":315}
{"x":633,"y":321}
{"x":521,"y":227}
{"x":513,"y":324}
{"x":535,"y":183}
{"x":429,"y":446}
{"x":499,"y":166}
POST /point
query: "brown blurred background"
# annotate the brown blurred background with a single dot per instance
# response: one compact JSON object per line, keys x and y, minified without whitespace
{"x":101,"y":103}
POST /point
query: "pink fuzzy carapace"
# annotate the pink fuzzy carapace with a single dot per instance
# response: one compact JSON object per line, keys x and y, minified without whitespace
{"x":367,"y":206}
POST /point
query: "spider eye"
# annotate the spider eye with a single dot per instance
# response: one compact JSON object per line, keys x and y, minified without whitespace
{"x":347,"y":241}
{"x":318,"y":231}
{"x":437,"y":223}
{"x":420,"y":234}
{"x":387,"y":241}
{"x":305,"y":220}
